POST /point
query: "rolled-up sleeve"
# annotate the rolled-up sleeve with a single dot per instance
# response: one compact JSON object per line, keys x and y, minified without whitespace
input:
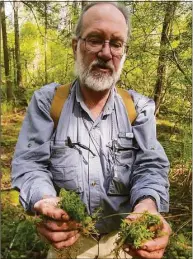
{"x":151,"y":166}
{"x":32,"y":153}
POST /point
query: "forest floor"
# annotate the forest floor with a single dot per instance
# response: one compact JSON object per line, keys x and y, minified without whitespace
{"x":19,"y":238}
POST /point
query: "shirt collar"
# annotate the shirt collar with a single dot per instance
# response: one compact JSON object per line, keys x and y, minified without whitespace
{"x":109,"y":106}
{"x":80,"y":100}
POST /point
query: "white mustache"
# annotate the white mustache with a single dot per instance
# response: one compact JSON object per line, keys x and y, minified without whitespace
{"x":102,"y":64}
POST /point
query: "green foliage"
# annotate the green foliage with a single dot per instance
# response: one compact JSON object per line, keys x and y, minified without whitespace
{"x":179,"y":248}
{"x":18,"y":234}
{"x":76,"y":209}
{"x":7,"y":107}
{"x":72,"y":204}
{"x":146,"y":227}
{"x":26,"y":238}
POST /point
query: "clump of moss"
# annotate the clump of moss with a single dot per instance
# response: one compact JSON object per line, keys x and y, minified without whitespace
{"x":76,"y":209}
{"x":135,"y":233}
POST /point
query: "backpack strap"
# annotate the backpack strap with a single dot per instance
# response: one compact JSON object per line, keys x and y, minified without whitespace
{"x":63,"y":91}
{"x":58,"y":101}
{"x":129,"y":104}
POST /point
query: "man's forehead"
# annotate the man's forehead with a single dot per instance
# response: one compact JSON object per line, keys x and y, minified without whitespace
{"x":104,"y":11}
{"x":106,"y":17}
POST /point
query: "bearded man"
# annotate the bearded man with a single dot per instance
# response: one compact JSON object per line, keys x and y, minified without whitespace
{"x":94,"y":118}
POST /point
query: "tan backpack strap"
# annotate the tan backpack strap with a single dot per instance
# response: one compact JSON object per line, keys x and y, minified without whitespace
{"x":129,"y":104}
{"x":58,"y":101}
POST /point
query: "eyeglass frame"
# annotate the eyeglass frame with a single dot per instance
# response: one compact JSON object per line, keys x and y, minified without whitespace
{"x":125,"y":46}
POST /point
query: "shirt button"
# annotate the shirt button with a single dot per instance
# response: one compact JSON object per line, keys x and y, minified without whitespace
{"x":93,"y":183}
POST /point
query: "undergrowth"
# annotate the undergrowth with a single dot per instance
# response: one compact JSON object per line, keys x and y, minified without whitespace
{"x":19,"y":239}
{"x":179,"y":247}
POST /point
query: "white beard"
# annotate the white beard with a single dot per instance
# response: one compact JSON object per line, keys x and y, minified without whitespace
{"x":97,"y":81}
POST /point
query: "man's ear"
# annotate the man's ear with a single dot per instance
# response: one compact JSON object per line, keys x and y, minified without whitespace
{"x":74,"y":46}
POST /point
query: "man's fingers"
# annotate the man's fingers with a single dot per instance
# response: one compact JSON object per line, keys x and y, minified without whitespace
{"x":159,"y":242}
{"x":133,"y":216}
{"x":55,"y":213}
{"x":166,"y":227}
{"x":67,"y":243}
{"x":47,"y":202}
{"x":151,"y":255}
{"x":48,"y":207}
{"x":156,"y":244}
{"x":144,"y":254}
{"x":60,"y":225}
{"x":56,"y":236}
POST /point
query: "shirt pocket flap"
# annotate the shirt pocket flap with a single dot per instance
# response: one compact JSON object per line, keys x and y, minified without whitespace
{"x":66,"y":168}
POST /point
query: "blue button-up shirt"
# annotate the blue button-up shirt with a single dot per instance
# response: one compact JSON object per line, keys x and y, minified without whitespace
{"x":111,"y":165}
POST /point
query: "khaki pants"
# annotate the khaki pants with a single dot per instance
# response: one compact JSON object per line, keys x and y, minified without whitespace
{"x":89,"y":248}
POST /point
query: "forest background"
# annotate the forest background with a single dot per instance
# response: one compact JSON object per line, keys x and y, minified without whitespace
{"x":36,"y":50}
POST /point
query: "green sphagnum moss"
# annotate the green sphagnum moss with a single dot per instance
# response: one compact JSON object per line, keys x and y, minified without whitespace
{"x":76,"y":209}
{"x":135,"y":233}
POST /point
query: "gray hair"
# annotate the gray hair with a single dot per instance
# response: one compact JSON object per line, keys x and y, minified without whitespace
{"x":118,"y":5}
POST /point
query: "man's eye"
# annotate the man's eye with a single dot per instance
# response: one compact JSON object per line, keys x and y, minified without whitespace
{"x":94,"y":41}
{"x":116,"y":44}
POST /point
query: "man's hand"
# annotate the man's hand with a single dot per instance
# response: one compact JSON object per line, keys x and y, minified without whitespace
{"x":59,"y":230}
{"x":153,"y":249}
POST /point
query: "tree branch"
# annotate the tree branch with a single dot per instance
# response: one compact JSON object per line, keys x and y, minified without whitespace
{"x":177,"y":62}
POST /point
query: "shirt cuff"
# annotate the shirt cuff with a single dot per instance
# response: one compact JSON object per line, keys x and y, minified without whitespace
{"x":144,"y":198}
{"x":37,"y":194}
{"x":145,"y":193}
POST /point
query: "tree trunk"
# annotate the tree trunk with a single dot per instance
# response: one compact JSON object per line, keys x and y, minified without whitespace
{"x":14,"y":66}
{"x":161,"y":69}
{"x":17,"y":46}
{"x":83,"y":3}
{"x":9,"y":90}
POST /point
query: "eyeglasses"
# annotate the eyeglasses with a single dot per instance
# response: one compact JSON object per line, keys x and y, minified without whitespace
{"x":95,"y":45}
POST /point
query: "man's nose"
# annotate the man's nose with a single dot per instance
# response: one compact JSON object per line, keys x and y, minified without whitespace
{"x":105,"y":52}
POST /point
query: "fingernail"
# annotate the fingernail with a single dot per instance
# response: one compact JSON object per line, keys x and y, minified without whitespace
{"x":64,"y":217}
{"x":59,"y":224}
{"x":126,"y":249}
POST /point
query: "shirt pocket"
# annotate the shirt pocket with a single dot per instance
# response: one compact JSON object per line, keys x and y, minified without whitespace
{"x":121,"y":170}
{"x":66,"y":168}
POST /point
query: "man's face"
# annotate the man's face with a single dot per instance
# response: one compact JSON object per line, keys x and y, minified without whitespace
{"x":100,"y":70}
